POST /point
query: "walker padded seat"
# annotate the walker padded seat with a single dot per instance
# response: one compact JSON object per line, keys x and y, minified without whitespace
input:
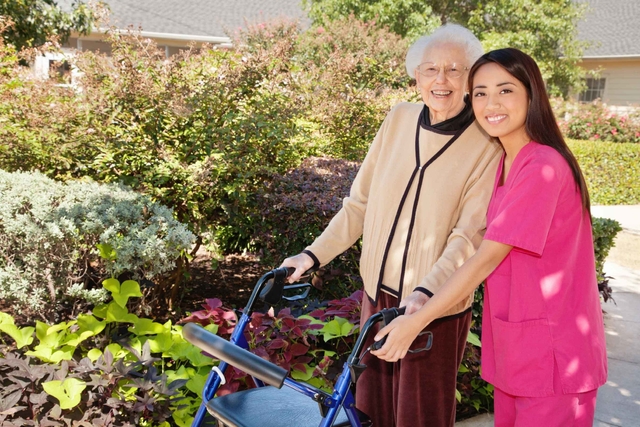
{"x":272,"y":407}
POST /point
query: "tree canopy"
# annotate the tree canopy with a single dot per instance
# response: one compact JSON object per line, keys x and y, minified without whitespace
{"x":545,"y":29}
{"x":34,"y":22}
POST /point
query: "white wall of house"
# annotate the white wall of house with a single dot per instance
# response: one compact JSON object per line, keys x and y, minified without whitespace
{"x":622,"y":80}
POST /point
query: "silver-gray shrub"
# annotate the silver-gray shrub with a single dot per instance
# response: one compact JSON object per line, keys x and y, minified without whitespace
{"x":49,"y":232}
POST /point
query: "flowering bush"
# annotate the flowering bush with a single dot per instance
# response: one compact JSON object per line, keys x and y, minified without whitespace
{"x":596,"y":122}
{"x":353,"y":74}
{"x":58,"y":240}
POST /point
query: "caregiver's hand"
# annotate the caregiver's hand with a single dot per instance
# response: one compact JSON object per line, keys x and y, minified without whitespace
{"x":401,"y":333}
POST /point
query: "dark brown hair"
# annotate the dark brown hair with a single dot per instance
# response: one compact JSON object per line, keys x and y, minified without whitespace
{"x":540,"y":123}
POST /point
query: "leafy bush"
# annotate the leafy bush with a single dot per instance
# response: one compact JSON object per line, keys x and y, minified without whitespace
{"x":596,"y":122}
{"x":200,"y":131}
{"x":604,"y":234}
{"x":475,"y":395}
{"x":612,"y":171}
{"x":108,"y":368}
{"x":353,"y":74}
{"x":292,"y":209}
{"x":197,"y":131}
{"x":58,"y":240}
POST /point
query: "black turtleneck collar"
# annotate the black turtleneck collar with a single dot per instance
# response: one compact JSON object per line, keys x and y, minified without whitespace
{"x":461,"y":121}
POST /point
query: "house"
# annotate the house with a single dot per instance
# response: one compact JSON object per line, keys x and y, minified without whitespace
{"x":175,"y":24}
{"x":613,"y":28}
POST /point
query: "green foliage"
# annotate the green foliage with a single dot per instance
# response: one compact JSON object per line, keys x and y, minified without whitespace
{"x":68,"y":391}
{"x":49,"y":232}
{"x":197,"y":132}
{"x":21,"y":336}
{"x":604,"y":234}
{"x":313,"y":191}
{"x":596,"y":122}
{"x":354,"y":73}
{"x":545,"y":29}
{"x":474,"y":394}
{"x":34,"y":22}
{"x":407,"y":18}
{"x":98,"y":375}
{"x":612,"y":171}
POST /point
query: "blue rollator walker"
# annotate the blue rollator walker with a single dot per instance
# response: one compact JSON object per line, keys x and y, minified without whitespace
{"x":270,"y":404}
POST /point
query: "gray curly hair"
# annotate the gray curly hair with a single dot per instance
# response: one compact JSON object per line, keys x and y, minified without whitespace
{"x":448,"y":33}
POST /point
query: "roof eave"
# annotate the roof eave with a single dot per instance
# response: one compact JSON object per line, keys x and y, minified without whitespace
{"x":610,"y":57}
{"x":217,"y":40}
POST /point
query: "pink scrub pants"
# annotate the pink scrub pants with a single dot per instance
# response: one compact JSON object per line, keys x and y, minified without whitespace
{"x":561,"y":410}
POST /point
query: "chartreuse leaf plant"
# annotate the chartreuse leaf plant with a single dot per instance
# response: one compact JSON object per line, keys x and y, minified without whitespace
{"x":109,"y":367}
{"x":21,"y":336}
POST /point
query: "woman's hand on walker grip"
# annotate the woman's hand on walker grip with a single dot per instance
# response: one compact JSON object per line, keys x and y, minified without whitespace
{"x":301,"y":262}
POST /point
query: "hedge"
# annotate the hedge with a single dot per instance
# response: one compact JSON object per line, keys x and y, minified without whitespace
{"x":612,"y":171}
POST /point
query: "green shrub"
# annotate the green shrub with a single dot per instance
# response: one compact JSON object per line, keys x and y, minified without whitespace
{"x":109,"y":367}
{"x":201,"y":131}
{"x":612,"y":171}
{"x":352,"y":73}
{"x":57,"y":240}
{"x":596,"y":122}
{"x":196,"y":132}
{"x":604,"y":235}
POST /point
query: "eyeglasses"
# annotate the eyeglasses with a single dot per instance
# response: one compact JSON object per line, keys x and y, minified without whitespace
{"x":429,"y":69}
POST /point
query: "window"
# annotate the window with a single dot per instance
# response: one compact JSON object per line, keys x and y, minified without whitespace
{"x":55,"y":66}
{"x":595,"y":90}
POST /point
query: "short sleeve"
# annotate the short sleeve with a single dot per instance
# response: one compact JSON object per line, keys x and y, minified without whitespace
{"x":526,"y":209}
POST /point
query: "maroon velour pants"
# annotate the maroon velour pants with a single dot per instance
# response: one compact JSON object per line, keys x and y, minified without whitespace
{"x":420,"y":389}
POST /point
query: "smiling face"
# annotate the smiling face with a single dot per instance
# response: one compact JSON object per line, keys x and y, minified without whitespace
{"x":500,"y":103}
{"x":444,"y":95}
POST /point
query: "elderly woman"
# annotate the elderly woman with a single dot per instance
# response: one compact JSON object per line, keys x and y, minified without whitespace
{"x":419,"y":201}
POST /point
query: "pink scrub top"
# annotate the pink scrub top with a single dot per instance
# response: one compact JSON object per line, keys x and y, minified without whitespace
{"x":542,"y":306}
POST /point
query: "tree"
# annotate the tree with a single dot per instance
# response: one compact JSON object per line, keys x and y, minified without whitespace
{"x":407,"y":18}
{"x":545,"y":29}
{"x":34,"y":22}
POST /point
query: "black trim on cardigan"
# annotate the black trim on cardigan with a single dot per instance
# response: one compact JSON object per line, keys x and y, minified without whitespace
{"x":425,"y":291}
{"x":316,"y":262}
{"x":389,"y":291}
{"x":436,"y":321}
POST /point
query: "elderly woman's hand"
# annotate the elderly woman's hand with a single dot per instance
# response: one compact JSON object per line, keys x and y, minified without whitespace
{"x":413,"y":302}
{"x":401,"y":333}
{"x":301,"y":262}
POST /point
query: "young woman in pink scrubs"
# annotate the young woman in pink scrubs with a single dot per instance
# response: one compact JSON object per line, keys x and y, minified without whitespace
{"x":543,"y":345}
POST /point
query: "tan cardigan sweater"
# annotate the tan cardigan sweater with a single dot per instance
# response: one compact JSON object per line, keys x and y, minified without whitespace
{"x":430,"y":235}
